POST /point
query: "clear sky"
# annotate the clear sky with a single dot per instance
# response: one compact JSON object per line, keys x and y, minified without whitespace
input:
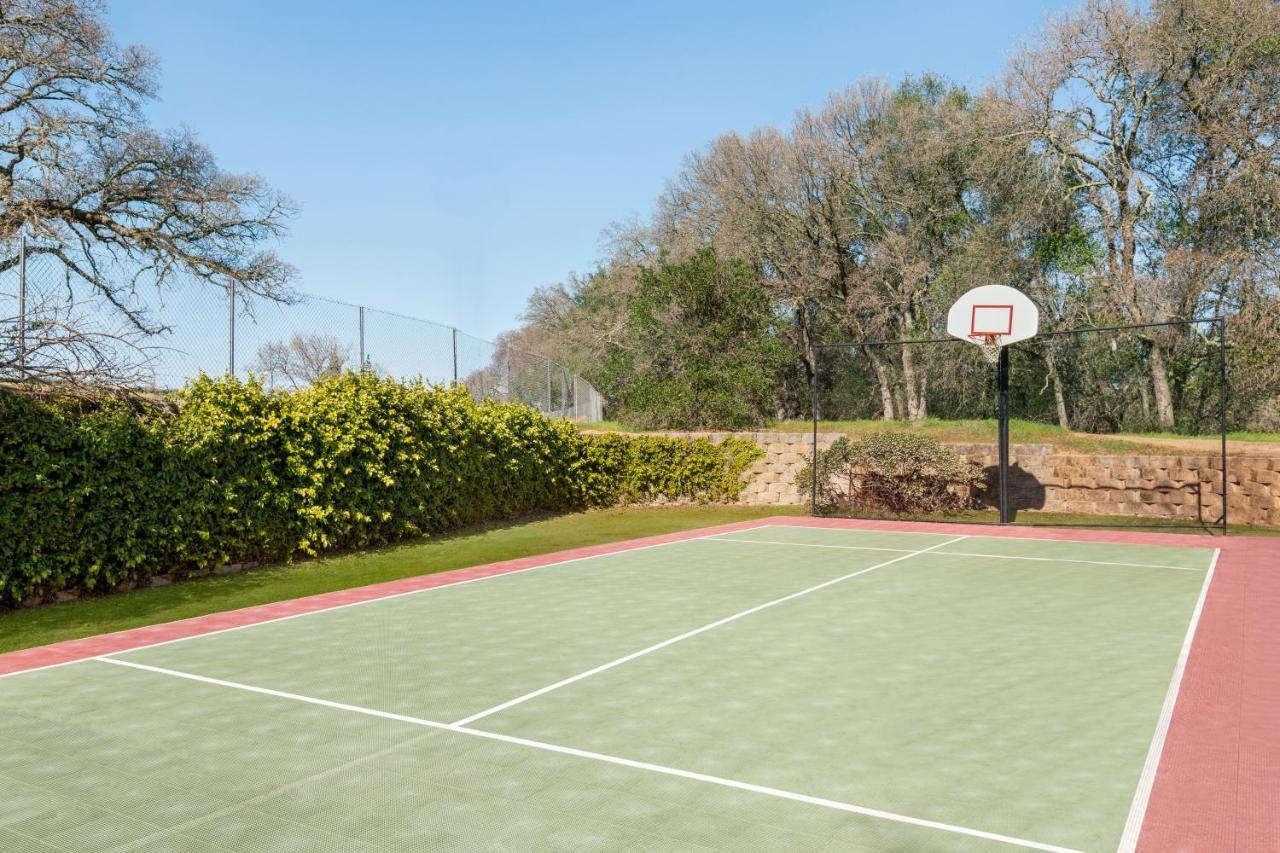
{"x":449,"y":157}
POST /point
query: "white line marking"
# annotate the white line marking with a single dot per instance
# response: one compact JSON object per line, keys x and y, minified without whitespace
{"x":1141,"y":797}
{"x":365,"y":601}
{"x":687,"y":634}
{"x":955,"y":553}
{"x":609,"y":759}
{"x":989,"y":526}
{"x":42,"y":668}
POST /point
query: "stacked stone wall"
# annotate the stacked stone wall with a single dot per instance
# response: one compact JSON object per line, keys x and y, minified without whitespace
{"x":1152,"y":486}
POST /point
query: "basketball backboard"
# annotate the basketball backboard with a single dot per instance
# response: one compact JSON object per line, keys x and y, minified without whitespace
{"x":993,"y":316}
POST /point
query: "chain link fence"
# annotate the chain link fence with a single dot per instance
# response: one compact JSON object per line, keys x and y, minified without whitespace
{"x":54,"y":325}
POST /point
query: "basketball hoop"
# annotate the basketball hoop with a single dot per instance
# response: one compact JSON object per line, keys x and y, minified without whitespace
{"x":990,"y":346}
{"x":994,"y":316}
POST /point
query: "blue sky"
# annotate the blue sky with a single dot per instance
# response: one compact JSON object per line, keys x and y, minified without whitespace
{"x":450,"y":157}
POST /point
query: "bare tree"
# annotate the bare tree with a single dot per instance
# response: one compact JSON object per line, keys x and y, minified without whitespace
{"x":304,"y":359}
{"x":86,"y":181}
{"x":1165,"y":120}
{"x":57,"y":340}
{"x":767,"y":198}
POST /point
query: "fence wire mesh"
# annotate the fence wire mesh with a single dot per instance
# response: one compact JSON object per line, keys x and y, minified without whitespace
{"x":54,"y":326}
{"x":1082,"y":403}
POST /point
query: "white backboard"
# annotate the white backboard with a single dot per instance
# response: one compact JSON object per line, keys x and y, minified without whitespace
{"x":993,"y":310}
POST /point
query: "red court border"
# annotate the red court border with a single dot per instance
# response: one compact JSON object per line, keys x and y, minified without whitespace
{"x":1217,"y":787}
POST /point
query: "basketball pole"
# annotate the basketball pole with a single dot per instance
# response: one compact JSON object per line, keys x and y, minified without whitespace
{"x":1002,"y":413}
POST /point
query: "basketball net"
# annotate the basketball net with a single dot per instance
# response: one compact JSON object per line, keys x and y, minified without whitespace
{"x":990,"y":346}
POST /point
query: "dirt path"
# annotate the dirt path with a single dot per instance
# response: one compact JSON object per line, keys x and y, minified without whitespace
{"x":1202,"y":445}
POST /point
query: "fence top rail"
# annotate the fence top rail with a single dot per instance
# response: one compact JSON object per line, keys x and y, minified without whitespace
{"x":302,"y":297}
{"x":1193,"y":321}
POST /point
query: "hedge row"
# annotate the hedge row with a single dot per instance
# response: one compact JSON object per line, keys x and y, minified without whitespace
{"x":95,"y":497}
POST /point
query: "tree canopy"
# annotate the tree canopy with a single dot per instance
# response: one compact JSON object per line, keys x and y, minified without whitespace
{"x":1123,"y":170}
{"x":85,"y":179}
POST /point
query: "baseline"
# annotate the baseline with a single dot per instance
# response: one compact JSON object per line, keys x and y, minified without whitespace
{"x":1142,"y":796}
{"x":721,"y":538}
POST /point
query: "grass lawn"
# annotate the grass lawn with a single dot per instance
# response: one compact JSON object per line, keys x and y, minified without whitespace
{"x":38,"y":626}
{"x":976,"y":431}
{"x":1231,"y":436}
{"x":980,"y":431}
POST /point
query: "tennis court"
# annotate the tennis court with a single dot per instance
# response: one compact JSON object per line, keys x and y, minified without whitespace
{"x":786,"y":685}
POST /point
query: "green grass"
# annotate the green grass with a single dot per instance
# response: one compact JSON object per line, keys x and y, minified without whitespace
{"x":976,"y":431}
{"x":21,"y":629}
{"x":983,"y":431}
{"x":955,"y":432}
{"x":1231,"y":436}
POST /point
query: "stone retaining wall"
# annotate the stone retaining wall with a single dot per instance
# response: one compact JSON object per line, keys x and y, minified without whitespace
{"x":1173,"y":486}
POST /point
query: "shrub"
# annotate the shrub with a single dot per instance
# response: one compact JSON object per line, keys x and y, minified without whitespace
{"x":639,"y":468}
{"x":96,"y":495}
{"x":894,"y":471}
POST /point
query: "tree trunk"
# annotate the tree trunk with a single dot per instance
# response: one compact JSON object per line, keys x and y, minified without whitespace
{"x":1059,"y":397}
{"x":884,"y":381}
{"x":1160,"y":385}
{"x":909,"y":383}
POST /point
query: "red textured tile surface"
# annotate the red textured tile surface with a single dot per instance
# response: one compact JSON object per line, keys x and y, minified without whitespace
{"x":1217,"y":788}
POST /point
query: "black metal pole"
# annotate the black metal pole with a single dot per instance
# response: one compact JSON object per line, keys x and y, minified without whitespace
{"x":1222,"y":411}
{"x":1002,"y":413}
{"x":813,"y":458}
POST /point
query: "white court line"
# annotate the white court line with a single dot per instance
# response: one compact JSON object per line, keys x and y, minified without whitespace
{"x":42,"y":668}
{"x":955,"y":553}
{"x":1141,"y":797}
{"x":353,"y":603}
{"x":687,"y":634}
{"x":990,"y":526}
{"x":598,"y":756}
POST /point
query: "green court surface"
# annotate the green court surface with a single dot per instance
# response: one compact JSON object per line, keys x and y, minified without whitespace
{"x":779,"y":688}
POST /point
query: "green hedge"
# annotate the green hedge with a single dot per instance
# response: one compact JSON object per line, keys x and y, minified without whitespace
{"x":93,"y":496}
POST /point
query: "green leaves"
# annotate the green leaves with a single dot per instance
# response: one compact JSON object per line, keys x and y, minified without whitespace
{"x":94,"y":497}
{"x":620,"y":468}
{"x":701,"y":347}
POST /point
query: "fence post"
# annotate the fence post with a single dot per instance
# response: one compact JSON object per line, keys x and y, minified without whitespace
{"x":362,"y":356}
{"x":1222,"y":411}
{"x":455,"y":356}
{"x":231,"y":328}
{"x":22,"y":307}
{"x":813,"y":455}
{"x":548,"y":387}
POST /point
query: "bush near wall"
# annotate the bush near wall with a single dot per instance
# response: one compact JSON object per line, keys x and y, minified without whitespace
{"x":94,"y":496}
{"x":895,"y":471}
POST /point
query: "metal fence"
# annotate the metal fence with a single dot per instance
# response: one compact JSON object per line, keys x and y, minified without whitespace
{"x":1096,"y":380}
{"x":194,"y":327}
